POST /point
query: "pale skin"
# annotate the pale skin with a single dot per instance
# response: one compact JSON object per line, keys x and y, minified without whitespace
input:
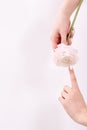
{"x":71,"y":97}
{"x":73,"y":101}
{"x":62,"y":24}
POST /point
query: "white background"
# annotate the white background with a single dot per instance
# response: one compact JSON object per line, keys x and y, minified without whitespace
{"x":29,"y":82}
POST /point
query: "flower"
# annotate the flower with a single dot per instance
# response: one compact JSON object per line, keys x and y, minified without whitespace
{"x":65,"y":55}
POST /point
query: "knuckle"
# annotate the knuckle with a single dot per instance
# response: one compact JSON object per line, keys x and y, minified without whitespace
{"x":72,"y":94}
{"x":62,"y":93}
{"x":66,"y":87}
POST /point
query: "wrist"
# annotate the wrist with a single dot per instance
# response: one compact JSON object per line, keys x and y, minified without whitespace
{"x":82,"y":117}
{"x":64,"y":12}
{"x":68,"y":7}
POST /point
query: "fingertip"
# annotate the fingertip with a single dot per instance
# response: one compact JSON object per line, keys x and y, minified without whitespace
{"x":54,"y":46}
{"x":72,"y":33}
{"x":53,"y":43}
{"x":71,"y":71}
{"x":70,"y":68}
{"x":64,"y":41}
{"x":70,"y":41}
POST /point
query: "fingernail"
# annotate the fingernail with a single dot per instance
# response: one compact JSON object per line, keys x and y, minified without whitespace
{"x":70,"y":68}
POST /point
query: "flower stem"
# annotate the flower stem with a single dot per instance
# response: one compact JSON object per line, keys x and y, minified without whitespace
{"x":73,"y":22}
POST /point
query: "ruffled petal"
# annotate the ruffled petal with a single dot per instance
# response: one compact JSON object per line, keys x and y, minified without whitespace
{"x":65,"y":55}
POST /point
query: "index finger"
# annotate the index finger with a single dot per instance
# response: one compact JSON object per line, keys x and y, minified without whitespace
{"x":73,"y":77}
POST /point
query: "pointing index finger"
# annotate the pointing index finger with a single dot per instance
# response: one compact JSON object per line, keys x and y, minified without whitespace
{"x":73,"y":77}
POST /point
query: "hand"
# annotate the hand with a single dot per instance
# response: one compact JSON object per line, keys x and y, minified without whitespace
{"x":73,"y":102}
{"x":61,"y":30}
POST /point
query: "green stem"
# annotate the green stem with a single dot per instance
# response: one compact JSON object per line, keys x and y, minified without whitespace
{"x":73,"y":22}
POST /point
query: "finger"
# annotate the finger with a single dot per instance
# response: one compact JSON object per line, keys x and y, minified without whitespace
{"x":72,"y":33}
{"x":67,"y":89}
{"x":54,"y":45}
{"x":64,"y":94}
{"x":63,"y":38}
{"x":55,"y":38}
{"x":73,"y":77}
{"x":70,"y":41}
{"x":61,"y":100}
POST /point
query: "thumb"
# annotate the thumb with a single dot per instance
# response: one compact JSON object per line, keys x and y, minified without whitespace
{"x":63,"y":38}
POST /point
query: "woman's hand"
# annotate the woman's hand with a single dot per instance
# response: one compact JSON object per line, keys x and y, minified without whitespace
{"x":61,"y":30}
{"x":73,"y":102}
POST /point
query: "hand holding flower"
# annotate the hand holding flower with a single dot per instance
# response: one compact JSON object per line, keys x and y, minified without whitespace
{"x":65,"y":55}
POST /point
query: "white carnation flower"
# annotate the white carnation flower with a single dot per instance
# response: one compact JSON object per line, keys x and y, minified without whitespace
{"x":65,"y":55}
